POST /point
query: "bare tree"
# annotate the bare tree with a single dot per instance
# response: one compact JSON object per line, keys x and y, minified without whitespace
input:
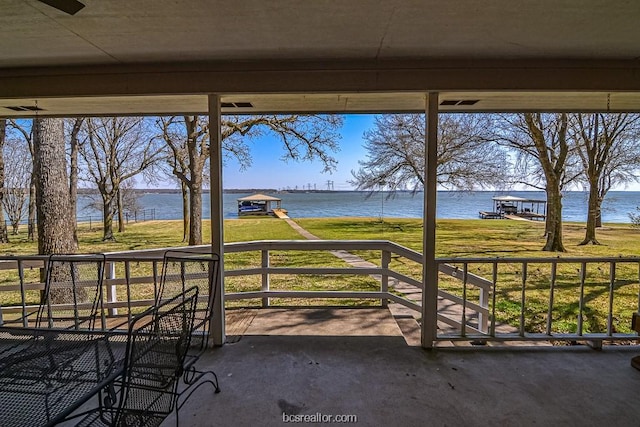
{"x":128,"y":199}
{"x":25,"y":128}
{"x":4,"y":238}
{"x":395,"y":158}
{"x":544,"y":160}
{"x":127,"y":202}
{"x":115,"y":150}
{"x":303,"y":137}
{"x":177,"y":162}
{"x":55,"y":226}
{"x":74,"y":126}
{"x":609,"y":149}
{"x":188,"y":140}
{"x":17,"y":179}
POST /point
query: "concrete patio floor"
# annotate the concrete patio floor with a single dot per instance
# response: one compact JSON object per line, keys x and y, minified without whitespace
{"x":356,"y":362}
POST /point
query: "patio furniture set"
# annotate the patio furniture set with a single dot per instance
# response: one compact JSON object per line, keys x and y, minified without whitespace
{"x":61,"y":363}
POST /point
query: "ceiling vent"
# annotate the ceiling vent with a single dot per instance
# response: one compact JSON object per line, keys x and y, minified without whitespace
{"x":236,"y":105}
{"x":25,"y":108}
{"x":462,"y":102}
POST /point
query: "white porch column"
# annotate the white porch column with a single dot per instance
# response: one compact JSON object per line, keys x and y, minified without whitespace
{"x":429,"y":267}
{"x":217,"y":326}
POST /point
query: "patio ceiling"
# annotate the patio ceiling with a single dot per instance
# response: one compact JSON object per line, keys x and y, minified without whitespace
{"x":161,"y":57}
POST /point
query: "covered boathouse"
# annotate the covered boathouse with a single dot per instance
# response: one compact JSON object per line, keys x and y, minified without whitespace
{"x":258,"y":204}
{"x":512,"y":207}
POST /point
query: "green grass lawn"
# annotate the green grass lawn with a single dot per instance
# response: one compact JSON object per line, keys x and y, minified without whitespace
{"x":455,"y":238}
{"x":511,"y":239}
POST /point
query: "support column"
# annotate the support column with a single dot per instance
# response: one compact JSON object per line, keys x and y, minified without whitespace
{"x":429,"y":266}
{"x":217,"y":326}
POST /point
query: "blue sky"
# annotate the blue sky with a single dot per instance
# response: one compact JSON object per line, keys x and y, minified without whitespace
{"x":268,"y":170}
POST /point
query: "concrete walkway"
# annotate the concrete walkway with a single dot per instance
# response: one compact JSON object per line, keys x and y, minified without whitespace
{"x":407,"y":319}
{"x":301,"y":362}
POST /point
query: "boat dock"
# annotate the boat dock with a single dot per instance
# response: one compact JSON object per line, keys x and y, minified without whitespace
{"x":281,"y":213}
{"x":518,"y":208}
{"x":489,"y":215}
{"x":259,"y":204}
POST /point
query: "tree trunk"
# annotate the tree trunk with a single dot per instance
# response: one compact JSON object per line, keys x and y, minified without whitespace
{"x":599,"y":215}
{"x":31,"y":228}
{"x":196,"y":166}
{"x":599,"y":212}
{"x":195,"y":212}
{"x":593,"y":212}
{"x":73,"y":175}
{"x":107,"y":223}
{"x":554,"y":220}
{"x":185,"y":211}
{"x":55,"y":224}
{"x":3,"y":225}
{"x":120,"y":213}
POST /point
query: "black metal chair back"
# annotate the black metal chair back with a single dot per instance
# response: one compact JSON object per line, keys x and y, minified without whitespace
{"x":155,"y":362}
{"x":157,"y":344}
{"x":73,"y":292}
{"x":184,"y":269}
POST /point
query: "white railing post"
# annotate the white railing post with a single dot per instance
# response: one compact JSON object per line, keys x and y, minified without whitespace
{"x":265,"y":276}
{"x":112,"y":296}
{"x":217,"y":324}
{"x":385,"y":259}
{"x":429,"y":265}
{"x":483,"y":320}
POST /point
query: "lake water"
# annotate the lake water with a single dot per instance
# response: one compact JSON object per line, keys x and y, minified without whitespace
{"x":450,"y":204}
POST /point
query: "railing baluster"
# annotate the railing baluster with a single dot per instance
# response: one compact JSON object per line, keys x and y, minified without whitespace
{"x":494,"y":282}
{"x":554,"y":271}
{"x":23,"y":294}
{"x":612,"y":282}
{"x":483,"y":301}
{"x":102,"y":296}
{"x":523,"y":298}
{"x":385,"y":260}
{"x":463,"y":324}
{"x":112,"y":296}
{"x":265,"y":276}
{"x":154,"y":271}
{"x":583,"y":276}
{"x":127,"y":279}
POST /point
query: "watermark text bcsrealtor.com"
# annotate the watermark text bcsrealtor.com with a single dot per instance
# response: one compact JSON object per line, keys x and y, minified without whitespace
{"x":319,"y":417}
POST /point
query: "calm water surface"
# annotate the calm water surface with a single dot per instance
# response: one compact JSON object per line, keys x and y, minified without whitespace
{"x":450,"y":204}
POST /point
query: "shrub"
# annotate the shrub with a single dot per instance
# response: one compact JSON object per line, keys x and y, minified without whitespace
{"x":635,"y":217}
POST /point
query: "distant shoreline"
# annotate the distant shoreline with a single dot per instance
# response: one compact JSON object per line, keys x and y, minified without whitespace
{"x":302,"y":191}
{"x":88,"y":191}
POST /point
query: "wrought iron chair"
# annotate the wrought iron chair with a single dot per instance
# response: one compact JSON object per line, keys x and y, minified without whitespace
{"x":71,"y":300}
{"x":180,"y":270}
{"x":158,"y":342}
{"x":72,"y":297}
{"x":73,"y":292}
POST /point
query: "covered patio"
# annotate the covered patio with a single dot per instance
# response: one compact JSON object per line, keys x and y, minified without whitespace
{"x":161,"y":58}
{"x":357,"y":362}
